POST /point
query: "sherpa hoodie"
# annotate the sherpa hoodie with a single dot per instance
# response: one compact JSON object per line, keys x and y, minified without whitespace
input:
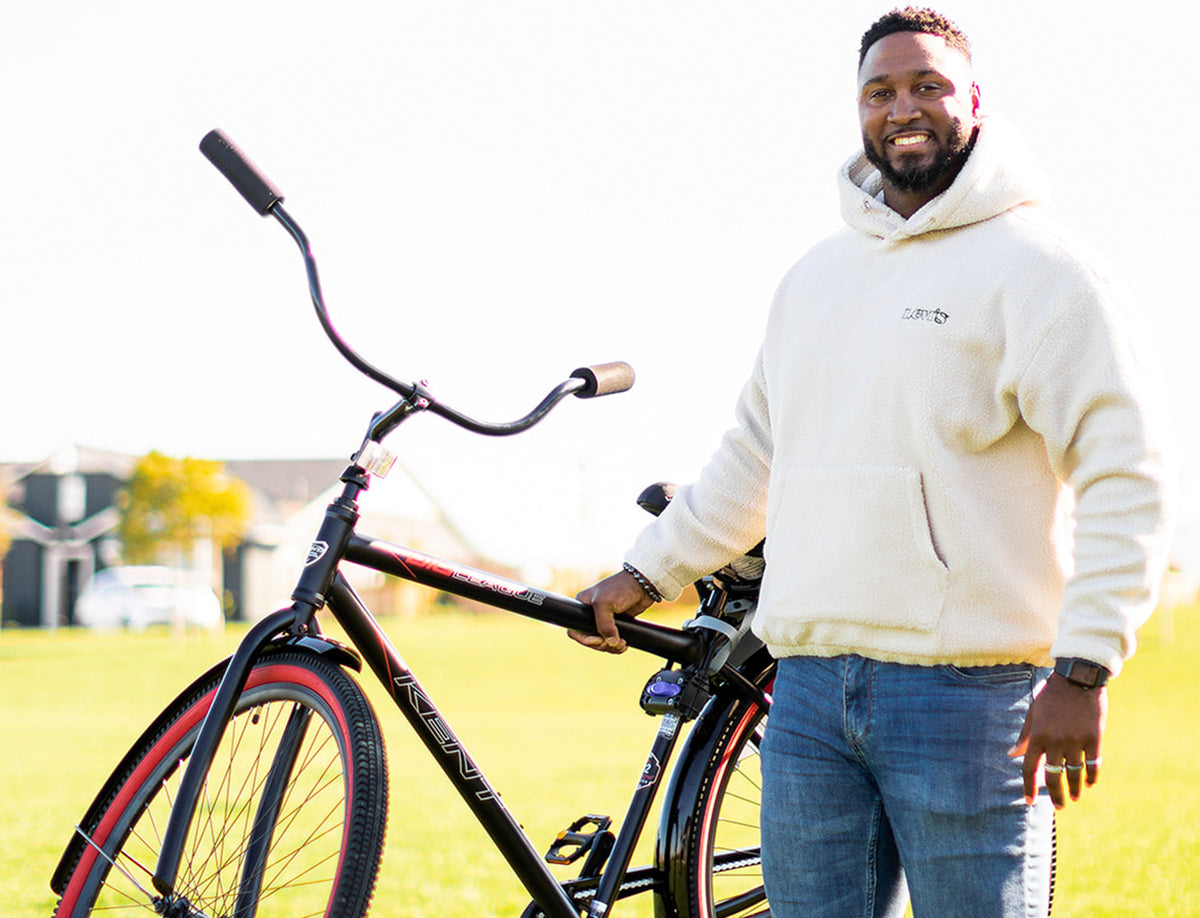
{"x":937,"y":403}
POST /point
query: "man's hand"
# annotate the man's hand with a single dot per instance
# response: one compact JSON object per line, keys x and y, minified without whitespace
{"x":1064,"y":728}
{"x":615,"y":595}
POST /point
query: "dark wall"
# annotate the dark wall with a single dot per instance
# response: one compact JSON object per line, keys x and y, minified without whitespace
{"x":233,"y":565}
{"x":101,"y":493}
{"x":23,"y":584}
{"x":40,"y":499}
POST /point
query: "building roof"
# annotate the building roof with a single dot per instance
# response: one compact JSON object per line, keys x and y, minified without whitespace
{"x":288,"y":480}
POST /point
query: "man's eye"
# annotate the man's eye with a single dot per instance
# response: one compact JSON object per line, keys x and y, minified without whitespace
{"x":880,"y":95}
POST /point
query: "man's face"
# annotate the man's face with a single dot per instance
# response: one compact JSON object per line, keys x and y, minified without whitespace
{"x":918,"y":108}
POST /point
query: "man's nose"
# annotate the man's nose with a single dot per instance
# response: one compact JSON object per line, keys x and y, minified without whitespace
{"x":903,"y":109}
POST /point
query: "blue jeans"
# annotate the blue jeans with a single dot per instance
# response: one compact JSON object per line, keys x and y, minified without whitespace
{"x":881,"y":776}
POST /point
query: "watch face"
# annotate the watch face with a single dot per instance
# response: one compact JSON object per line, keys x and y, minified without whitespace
{"x":1085,"y":672}
{"x":1082,"y":672}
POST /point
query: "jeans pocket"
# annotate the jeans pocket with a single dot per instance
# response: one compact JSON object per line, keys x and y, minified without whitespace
{"x":1004,"y":674}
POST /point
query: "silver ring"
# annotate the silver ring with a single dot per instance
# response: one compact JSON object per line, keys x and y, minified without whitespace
{"x":1094,"y":763}
{"x":1078,"y":767}
{"x":1052,"y":769}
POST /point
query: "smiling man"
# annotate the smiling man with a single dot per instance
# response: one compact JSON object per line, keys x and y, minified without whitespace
{"x":939,"y":387}
{"x":919,"y":109}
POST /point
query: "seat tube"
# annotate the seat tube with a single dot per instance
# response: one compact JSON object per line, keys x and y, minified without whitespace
{"x":635,"y":817}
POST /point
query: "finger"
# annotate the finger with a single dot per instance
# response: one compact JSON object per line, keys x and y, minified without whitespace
{"x":1054,"y":784}
{"x":606,"y":625}
{"x":1092,"y":769}
{"x":596,"y":642}
{"x":1031,"y":768}
{"x":587,"y":640}
{"x":1030,"y":765}
{"x":1074,"y":773}
{"x":1021,"y":746}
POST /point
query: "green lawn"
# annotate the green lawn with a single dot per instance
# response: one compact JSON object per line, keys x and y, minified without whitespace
{"x":559,"y":732}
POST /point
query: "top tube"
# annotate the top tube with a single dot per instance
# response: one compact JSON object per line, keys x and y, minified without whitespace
{"x":670,"y":643}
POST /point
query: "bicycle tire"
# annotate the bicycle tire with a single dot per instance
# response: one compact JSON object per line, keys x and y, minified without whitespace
{"x":708,"y":845}
{"x":322,"y":813}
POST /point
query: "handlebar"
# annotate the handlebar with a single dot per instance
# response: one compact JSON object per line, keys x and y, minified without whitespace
{"x":236,"y":166}
{"x":267,"y":200}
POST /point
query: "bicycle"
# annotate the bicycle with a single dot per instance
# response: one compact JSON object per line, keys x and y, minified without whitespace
{"x":262,"y":788}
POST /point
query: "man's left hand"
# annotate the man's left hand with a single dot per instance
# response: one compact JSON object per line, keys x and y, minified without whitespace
{"x":1063,"y":729}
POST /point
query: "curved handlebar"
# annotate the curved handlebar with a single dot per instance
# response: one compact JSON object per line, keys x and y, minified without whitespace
{"x":266,"y":199}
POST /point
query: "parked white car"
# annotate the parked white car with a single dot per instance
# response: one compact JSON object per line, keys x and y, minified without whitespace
{"x":137,"y":596}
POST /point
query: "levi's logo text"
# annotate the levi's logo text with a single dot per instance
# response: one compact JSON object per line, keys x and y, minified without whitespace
{"x":926,"y":315}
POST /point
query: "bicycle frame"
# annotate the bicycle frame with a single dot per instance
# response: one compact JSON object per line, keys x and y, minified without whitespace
{"x":322,"y":585}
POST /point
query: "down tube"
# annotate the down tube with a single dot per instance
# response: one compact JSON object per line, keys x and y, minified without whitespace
{"x":445,"y":747}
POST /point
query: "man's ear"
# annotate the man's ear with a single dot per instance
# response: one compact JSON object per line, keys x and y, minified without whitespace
{"x":975,"y":101}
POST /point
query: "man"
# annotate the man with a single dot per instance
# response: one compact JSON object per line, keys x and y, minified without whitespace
{"x":929,"y":379}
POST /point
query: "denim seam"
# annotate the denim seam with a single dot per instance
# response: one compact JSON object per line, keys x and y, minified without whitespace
{"x":1033,"y":909}
{"x":1026,"y":877}
{"x":872,"y":879}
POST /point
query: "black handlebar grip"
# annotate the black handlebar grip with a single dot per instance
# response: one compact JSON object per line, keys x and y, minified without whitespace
{"x":604,"y":379}
{"x":236,"y":166}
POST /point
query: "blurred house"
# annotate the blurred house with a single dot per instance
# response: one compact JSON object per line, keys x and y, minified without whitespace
{"x":290,"y":497}
{"x":63,"y":521}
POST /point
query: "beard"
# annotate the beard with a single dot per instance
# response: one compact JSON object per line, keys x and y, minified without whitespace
{"x":915,"y":177}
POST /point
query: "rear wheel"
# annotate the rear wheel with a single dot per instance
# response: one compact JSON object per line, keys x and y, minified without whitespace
{"x":709,"y":839}
{"x":290,"y":821}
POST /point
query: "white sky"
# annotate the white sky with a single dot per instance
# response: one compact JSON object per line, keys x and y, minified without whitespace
{"x":498,"y":192}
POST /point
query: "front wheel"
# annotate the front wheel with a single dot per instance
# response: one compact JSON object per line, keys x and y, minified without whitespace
{"x":290,"y":820}
{"x":708,"y":844}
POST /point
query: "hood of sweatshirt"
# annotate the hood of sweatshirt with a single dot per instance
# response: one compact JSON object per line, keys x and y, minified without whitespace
{"x":999,"y":175}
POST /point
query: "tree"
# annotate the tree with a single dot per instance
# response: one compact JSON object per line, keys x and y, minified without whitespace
{"x":170,"y":504}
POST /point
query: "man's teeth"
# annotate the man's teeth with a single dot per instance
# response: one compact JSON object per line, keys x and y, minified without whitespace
{"x":909,"y":140}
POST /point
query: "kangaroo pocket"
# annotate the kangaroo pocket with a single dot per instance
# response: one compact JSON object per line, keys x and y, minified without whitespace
{"x":853,"y":544}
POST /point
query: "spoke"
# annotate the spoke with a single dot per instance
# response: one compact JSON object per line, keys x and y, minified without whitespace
{"x":323,"y":829}
{"x":120,"y":867}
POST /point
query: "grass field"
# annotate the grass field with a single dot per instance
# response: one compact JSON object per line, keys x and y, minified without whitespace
{"x":559,"y":732}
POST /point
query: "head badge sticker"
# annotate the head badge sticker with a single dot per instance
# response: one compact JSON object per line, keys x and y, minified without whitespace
{"x":316,"y":552}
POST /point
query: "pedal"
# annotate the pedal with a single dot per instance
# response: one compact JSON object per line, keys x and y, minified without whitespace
{"x":573,"y":843}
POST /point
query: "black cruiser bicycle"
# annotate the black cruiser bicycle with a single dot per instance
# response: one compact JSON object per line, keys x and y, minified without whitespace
{"x":261,"y":790}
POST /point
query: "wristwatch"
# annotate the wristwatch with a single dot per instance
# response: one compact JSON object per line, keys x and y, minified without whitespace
{"x":1083,"y":673}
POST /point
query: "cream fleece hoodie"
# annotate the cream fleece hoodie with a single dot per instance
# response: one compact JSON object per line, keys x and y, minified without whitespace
{"x":937,"y":403}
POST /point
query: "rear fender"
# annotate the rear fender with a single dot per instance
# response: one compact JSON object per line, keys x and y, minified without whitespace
{"x":689,"y":780}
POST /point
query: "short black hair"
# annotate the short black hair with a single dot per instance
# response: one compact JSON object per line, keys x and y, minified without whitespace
{"x":913,"y":19}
